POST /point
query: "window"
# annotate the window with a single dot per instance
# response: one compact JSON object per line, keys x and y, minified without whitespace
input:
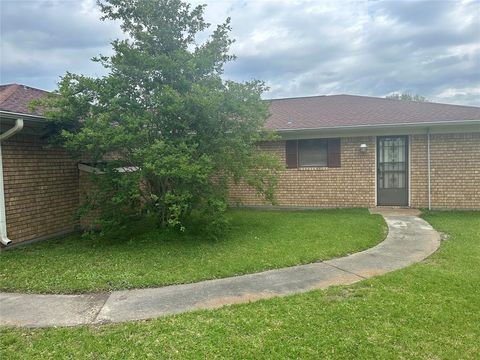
{"x":312,"y":153}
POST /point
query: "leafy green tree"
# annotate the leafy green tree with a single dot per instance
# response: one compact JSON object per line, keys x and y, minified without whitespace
{"x":167,"y":132}
{"x":406,"y":96}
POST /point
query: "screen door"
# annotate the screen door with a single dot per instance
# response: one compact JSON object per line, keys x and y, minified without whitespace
{"x":392,"y":170}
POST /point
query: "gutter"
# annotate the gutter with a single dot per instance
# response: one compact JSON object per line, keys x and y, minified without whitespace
{"x":3,"y":218}
{"x":384,"y":126}
{"x":30,"y":117}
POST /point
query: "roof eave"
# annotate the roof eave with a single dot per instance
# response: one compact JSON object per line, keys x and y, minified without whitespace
{"x":424,"y":125}
{"x":35,"y":119}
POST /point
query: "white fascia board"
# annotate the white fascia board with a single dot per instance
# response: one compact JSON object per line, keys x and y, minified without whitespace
{"x":28,"y":117}
{"x":383,"y":129}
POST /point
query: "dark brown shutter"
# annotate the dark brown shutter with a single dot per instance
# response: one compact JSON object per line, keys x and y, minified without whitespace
{"x":334,"y":153}
{"x":291,"y":153}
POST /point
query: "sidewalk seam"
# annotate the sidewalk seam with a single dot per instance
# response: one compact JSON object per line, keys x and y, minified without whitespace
{"x":94,"y":319}
{"x":348,"y":272}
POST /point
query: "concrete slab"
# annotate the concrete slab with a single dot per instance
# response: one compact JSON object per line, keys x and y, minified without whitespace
{"x":394,"y":211}
{"x":410,"y":239}
{"x":34,"y":310}
{"x":369,"y":264}
{"x":148,"y":303}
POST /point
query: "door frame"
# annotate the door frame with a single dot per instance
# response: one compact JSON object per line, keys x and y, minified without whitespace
{"x":407,"y":168}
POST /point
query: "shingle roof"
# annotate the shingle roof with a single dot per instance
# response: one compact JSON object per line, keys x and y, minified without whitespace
{"x":314,"y":112}
{"x":348,"y":110}
{"x":15,"y":98}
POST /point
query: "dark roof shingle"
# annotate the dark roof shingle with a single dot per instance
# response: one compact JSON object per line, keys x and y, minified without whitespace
{"x":15,"y":98}
{"x":333,"y":111}
{"x":314,"y":112}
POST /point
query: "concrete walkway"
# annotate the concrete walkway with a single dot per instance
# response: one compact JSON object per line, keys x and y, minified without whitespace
{"x":410,"y":240}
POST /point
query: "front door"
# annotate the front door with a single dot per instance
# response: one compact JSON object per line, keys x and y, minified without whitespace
{"x":392,"y":170}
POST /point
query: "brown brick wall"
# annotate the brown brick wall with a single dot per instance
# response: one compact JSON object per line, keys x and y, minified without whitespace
{"x":455,"y":171}
{"x":41,"y":188}
{"x":418,"y":171}
{"x":42,"y":184}
{"x":455,"y":174}
{"x":351,"y":185}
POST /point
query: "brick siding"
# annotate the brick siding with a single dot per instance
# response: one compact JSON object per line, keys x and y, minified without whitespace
{"x":455,"y":171}
{"x":41,"y":188}
{"x":455,"y":174}
{"x":351,"y":185}
{"x":418,"y":171}
{"x":42,"y":183}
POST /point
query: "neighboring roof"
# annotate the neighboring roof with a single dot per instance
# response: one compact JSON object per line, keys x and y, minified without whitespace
{"x":15,"y":98}
{"x":334,"y":111}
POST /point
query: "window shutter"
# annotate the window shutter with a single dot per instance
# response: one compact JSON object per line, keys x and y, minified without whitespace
{"x":334,"y":152}
{"x":291,"y":152}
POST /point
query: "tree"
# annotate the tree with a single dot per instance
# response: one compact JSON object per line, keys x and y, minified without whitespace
{"x":406,"y":96}
{"x":167,"y":132}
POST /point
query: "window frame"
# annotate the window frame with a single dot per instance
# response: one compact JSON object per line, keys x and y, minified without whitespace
{"x":334,"y":154}
{"x":322,"y":152}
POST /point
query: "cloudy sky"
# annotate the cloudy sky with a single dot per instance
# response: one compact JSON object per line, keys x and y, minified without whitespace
{"x":299,"y":48}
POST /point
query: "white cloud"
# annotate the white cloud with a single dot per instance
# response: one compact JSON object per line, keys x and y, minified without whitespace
{"x":298,"y":47}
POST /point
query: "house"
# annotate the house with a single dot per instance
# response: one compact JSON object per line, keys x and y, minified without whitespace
{"x":338,"y":151}
{"x":358,"y":151}
{"x":38,"y":184}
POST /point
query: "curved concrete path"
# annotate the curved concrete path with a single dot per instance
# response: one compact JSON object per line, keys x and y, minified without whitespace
{"x":410,"y":240}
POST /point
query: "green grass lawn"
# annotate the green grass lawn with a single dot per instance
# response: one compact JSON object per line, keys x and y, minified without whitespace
{"x":258,"y":240}
{"x":430,"y":310}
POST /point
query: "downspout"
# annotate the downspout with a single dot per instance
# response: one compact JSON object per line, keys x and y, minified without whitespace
{"x":3,"y":218}
{"x":429,"y":171}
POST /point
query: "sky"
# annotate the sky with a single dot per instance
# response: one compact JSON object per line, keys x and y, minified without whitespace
{"x":299,"y":48}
